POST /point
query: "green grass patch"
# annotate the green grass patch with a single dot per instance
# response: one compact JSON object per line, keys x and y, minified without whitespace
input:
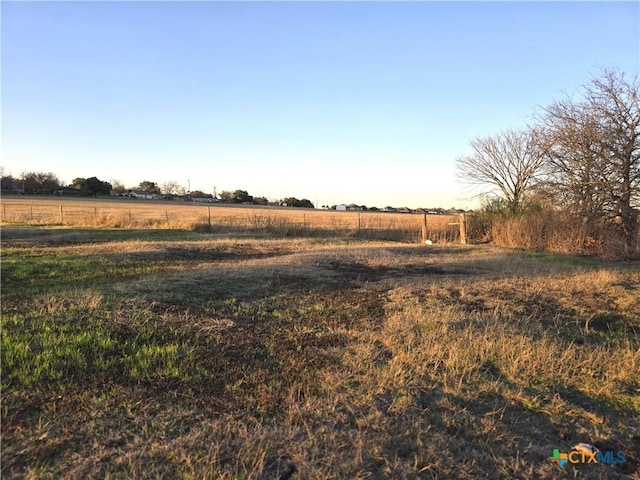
{"x":29,"y":273}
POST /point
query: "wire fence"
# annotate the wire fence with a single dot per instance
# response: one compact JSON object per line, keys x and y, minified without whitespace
{"x":408,"y":227}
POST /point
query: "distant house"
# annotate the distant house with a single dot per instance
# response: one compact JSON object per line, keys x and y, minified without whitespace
{"x":67,"y":191}
{"x":141,"y":194}
{"x":204,"y":199}
{"x":388,"y":209}
{"x":354,"y":208}
{"x":341,"y":208}
{"x":404,"y":210}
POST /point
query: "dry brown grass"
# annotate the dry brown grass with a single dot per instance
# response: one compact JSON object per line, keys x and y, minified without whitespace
{"x":345,"y":358}
{"x":219,"y":218}
{"x":560,"y":232}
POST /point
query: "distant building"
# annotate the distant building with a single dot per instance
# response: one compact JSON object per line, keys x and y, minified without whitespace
{"x":67,"y":191}
{"x":141,"y":194}
{"x":341,"y":208}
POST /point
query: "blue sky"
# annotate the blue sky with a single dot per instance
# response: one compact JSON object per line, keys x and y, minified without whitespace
{"x":337,"y":102}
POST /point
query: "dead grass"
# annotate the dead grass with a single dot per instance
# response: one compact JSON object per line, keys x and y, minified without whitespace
{"x":252,"y":357}
{"x":225,"y":218}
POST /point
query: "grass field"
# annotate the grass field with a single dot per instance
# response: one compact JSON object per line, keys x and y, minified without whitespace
{"x":224,"y":218}
{"x":160,"y":353}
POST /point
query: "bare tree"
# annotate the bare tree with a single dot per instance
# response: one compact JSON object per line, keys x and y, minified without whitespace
{"x":593,"y":149}
{"x":170,"y":187}
{"x":508,"y":162}
{"x":573,"y":172}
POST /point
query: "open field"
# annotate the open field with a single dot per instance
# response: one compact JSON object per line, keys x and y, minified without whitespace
{"x":158,"y":353}
{"x":224,"y":218}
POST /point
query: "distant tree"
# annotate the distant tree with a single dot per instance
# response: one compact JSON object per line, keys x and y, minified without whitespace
{"x":260,"y":201}
{"x":94,"y":187}
{"x":304,"y":203}
{"x":77,"y":182}
{"x":118,"y":187}
{"x":294,"y":202}
{"x":170,"y":187}
{"x":150,"y":187}
{"x":39,"y":182}
{"x":226,"y":196}
{"x":509,"y":163}
{"x":7,"y":182}
{"x":199,"y":194}
{"x":242,"y":196}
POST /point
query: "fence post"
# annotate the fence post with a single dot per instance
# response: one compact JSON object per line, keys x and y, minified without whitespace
{"x":209,"y":212}
{"x":424,"y":228}
{"x":61,"y":216}
{"x":463,"y":229}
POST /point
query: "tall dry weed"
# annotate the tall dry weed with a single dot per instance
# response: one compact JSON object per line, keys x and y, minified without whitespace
{"x":559,"y":232}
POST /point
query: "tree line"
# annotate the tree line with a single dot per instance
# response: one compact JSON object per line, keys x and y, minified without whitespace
{"x":581,"y":158}
{"x":48,"y":183}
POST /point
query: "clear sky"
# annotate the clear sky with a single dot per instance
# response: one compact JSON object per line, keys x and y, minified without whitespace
{"x":338,"y":102}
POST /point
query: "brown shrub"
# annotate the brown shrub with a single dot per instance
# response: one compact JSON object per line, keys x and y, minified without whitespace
{"x":560,"y":232}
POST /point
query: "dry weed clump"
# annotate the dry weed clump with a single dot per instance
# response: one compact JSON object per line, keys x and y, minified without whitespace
{"x":560,"y":233}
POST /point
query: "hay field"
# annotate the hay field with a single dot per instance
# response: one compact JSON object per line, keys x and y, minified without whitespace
{"x":224,"y":218}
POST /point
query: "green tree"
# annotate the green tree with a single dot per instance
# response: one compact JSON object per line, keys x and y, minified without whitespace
{"x":94,"y":187}
{"x":304,"y":203}
{"x":242,"y":196}
{"x":294,"y":202}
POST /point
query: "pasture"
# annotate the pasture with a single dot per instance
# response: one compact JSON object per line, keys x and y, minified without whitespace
{"x":168,"y":353}
{"x":225,"y":218}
